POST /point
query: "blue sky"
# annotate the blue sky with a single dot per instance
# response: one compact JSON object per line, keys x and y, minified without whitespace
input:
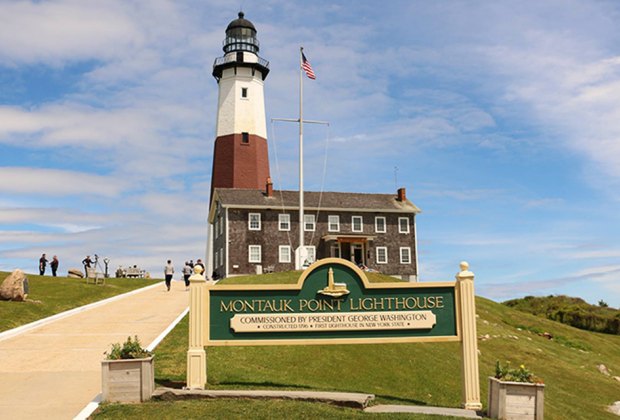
{"x":502,"y":120}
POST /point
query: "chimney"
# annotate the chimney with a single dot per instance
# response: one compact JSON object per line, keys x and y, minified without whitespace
{"x":269,"y":187}
{"x":402,"y":194}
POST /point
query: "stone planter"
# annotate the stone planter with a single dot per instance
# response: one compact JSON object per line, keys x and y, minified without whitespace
{"x":131,"y":380}
{"x":515,"y":400}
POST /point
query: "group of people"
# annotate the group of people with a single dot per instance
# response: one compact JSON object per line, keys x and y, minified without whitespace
{"x":43,"y":265}
{"x":187,"y":271}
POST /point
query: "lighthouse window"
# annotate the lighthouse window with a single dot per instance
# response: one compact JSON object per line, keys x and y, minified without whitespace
{"x":245,"y":138}
{"x":244,"y":92}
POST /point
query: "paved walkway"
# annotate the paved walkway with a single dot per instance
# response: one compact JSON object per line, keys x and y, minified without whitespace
{"x":54,"y":370}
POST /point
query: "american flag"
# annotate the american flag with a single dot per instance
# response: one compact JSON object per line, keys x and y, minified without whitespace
{"x":305,"y":65}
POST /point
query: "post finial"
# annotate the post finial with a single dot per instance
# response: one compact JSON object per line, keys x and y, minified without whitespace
{"x":464,"y":273}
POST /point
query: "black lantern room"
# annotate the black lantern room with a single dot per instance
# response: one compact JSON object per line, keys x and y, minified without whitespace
{"x":240,"y":40}
{"x":241,"y":36}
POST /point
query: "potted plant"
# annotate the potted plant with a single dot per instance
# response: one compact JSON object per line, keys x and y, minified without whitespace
{"x":128,"y":373}
{"x":515,"y":393}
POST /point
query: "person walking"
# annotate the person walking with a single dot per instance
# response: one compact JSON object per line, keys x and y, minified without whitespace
{"x":187,"y":271}
{"x":54,"y":265}
{"x":42,"y":263}
{"x":168,"y":272}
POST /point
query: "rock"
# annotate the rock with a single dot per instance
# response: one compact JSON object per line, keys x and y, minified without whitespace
{"x":15,"y":286}
{"x":547,"y":335}
{"x":617,"y":378}
{"x":615,"y":408}
{"x":603,"y":369}
{"x":75,"y":273}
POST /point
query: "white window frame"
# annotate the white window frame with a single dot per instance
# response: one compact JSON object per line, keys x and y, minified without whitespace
{"x":408,"y":253}
{"x":308,"y":221}
{"x":287,"y":250}
{"x":311,"y":253}
{"x":333,"y":219}
{"x":260,"y":254}
{"x":221,"y":225}
{"x":385,"y":259}
{"x":377,"y":218}
{"x":400,"y":226}
{"x":250,"y":221}
{"x":361,"y":219}
{"x":284,"y":218}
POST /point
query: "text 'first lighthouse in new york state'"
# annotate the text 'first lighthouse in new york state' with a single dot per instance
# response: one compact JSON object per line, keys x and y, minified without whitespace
{"x":254,"y":229}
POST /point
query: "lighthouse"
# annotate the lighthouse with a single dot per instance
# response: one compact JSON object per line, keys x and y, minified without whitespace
{"x":240,"y":157}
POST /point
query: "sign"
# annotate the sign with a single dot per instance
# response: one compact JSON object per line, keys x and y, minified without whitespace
{"x":332,"y":303}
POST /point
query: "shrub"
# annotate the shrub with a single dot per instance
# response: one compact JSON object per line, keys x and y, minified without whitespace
{"x":130,"y":349}
{"x":520,"y":374}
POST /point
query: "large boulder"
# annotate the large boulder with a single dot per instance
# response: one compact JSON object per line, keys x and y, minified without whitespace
{"x":75,"y":273}
{"x":15,"y":286}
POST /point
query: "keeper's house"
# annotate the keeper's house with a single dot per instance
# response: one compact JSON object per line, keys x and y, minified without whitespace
{"x":256,"y":231}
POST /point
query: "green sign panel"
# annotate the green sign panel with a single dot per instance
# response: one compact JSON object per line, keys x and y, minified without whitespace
{"x":333,"y":302}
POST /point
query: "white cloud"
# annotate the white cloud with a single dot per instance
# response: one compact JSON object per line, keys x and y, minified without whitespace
{"x":56,"y":182}
{"x":59,"y":31}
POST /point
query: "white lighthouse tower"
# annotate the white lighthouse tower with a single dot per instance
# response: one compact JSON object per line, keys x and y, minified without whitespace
{"x":240,"y":157}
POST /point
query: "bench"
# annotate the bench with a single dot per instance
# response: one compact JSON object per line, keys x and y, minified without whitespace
{"x":94,"y":277}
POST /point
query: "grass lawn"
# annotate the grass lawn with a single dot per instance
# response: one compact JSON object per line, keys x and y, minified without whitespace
{"x":422,"y":374}
{"x":58,"y":294}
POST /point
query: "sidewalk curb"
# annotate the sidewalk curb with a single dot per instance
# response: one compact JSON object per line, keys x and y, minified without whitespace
{"x":25,"y":328}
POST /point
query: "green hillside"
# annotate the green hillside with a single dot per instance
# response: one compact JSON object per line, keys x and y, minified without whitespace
{"x":426,"y":373}
{"x":572,"y":311}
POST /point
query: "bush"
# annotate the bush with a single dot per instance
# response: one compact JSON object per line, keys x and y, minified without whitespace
{"x":130,"y":349}
{"x":521,"y":374}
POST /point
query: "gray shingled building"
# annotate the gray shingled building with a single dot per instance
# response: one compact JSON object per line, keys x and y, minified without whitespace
{"x":257,"y":231}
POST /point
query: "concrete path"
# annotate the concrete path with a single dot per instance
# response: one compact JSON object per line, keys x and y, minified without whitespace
{"x":54,"y":371}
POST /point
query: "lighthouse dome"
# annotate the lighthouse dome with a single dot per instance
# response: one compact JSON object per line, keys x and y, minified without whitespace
{"x":241,"y":22}
{"x":241,"y":36}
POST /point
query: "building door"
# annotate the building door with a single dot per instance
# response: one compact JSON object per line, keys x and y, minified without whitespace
{"x":357,"y":254}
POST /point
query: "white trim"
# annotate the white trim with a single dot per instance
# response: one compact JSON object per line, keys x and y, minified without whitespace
{"x":311,"y":251}
{"x":385,"y":261}
{"x":329,"y":223}
{"x":323,"y":209}
{"x":260,"y":254}
{"x":307,"y":216}
{"x":400,"y":230}
{"x":284,"y":248}
{"x":280,"y":221}
{"x":402,"y":248}
{"x":384,"y":224}
{"x":415,"y":249}
{"x":250,"y":221}
{"x":227,"y":245}
{"x":361,"y":219}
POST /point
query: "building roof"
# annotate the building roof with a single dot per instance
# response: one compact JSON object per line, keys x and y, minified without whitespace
{"x":345,"y":201}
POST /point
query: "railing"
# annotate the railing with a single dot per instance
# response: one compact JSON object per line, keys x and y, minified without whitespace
{"x":232,"y":59}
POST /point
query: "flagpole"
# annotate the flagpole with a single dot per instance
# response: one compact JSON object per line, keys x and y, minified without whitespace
{"x":301,"y":159}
